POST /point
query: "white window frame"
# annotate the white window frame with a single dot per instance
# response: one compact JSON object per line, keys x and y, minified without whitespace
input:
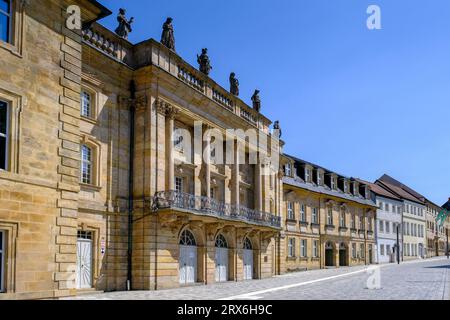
{"x":342,"y":219}
{"x":382,"y":249}
{"x":287,"y":170}
{"x":291,"y":247}
{"x":354,"y":251}
{"x":90,"y":109}
{"x":290,"y":211}
{"x":330,"y":216}
{"x":315,"y":248}
{"x":6,"y":135}
{"x":303,"y":248}
{"x":302,"y":212}
{"x":319,"y":178}
{"x":89,"y":163}
{"x":314,"y":215}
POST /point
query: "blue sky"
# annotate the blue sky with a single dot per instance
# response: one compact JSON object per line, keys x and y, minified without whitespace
{"x":359,"y":102}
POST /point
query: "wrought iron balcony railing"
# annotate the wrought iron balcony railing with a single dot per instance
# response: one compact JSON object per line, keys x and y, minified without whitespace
{"x":212,"y":207}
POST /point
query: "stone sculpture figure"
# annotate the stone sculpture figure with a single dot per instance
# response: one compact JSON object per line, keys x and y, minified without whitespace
{"x":124,"y":27}
{"x":276,"y":126}
{"x":234,"y":84}
{"x":256,"y":101}
{"x":203,"y":62}
{"x":167,"y":37}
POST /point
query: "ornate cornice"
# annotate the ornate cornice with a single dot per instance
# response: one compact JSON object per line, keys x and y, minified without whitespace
{"x":166,"y":109}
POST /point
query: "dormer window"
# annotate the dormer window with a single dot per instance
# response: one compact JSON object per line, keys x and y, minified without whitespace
{"x":307,"y":174}
{"x":288,"y":169}
{"x":319,"y":178}
{"x":355,"y":189}
{"x":333,"y":183}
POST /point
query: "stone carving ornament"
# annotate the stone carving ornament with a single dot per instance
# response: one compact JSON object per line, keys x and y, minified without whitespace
{"x":234,"y":84}
{"x":256,"y":101}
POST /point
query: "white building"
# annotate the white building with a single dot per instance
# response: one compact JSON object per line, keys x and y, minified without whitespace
{"x":414,"y":218}
{"x":388,"y":218}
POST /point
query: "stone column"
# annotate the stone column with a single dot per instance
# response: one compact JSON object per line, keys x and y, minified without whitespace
{"x":170,"y":119}
{"x":235,"y":176}
{"x":207,"y":155}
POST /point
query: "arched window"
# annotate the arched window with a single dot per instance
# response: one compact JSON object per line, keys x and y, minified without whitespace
{"x":247,"y":244}
{"x":187,"y":239}
{"x":329,"y":245}
{"x":221,"y":242}
{"x":342,"y":246}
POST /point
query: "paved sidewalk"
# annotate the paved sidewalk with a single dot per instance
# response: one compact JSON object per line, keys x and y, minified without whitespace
{"x":425,"y":279}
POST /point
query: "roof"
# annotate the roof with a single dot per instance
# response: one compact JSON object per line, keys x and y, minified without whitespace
{"x":389,"y":179}
{"x":399,"y":191}
{"x":446,"y":205}
{"x":314,"y":165}
{"x":297,"y":182}
{"x":379,"y":190}
{"x":104,"y":12}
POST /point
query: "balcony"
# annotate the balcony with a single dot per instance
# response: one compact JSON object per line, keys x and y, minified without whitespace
{"x":211,"y":207}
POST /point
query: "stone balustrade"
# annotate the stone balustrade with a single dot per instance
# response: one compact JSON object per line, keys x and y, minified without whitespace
{"x":204,"y":205}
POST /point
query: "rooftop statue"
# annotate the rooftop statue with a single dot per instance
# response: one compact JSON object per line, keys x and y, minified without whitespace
{"x":124,"y":27}
{"x":276,"y":126}
{"x":256,"y":101}
{"x":167,"y":37}
{"x":234,"y":84}
{"x":203,"y":61}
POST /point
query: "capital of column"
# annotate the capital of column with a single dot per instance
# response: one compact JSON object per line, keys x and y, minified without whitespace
{"x":166,"y":109}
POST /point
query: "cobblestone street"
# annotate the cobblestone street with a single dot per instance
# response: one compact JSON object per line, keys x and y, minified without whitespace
{"x":420,"y":280}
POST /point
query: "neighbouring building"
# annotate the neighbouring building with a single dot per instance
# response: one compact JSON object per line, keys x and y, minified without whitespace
{"x":388,"y":225}
{"x":436,"y":234}
{"x":414,"y":218}
{"x":98,"y":189}
{"x":327,"y":218}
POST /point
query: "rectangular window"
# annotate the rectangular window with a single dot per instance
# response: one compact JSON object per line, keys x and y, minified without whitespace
{"x":86,"y":164}
{"x":178,"y":184}
{"x":330,"y":216}
{"x":290,"y":211}
{"x":353,"y":221}
{"x":354,"y":250}
{"x":361,"y":250}
{"x":342,"y":219}
{"x":315,"y":248}
{"x":86,"y":104}
{"x":319,"y":178}
{"x":291,"y":247}
{"x":382,"y":249}
{"x":5,"y":20}
{"x":287,"y":169}
{"x":388,"y":249}
{"x":302,"y":213}
{"x":3,"y":135}
{"x":386,"y":207}
{"x":303,"y":248}
{"x":332,"y":183}
{"x":381,"y":226}
{"x":2,"y":258}
{"x":307,"y":175}
{"x":314,"y":215}
{"x":361,"y":223}
{"x":388,"y":227}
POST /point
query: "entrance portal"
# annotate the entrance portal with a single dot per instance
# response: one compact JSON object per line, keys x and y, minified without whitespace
{"x":329,"y":255}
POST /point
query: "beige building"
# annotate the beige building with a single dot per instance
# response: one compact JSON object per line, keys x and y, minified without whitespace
{"x":328,"y":219}
{"x":87,"y":117}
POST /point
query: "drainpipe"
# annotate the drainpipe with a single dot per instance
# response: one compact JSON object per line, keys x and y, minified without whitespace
{"x":131,"y":184}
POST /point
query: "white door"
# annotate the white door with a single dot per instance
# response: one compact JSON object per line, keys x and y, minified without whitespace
{"x":84,"y":264}
{"x":248,"y":264}
{"x":188,"y":264}
{"x":221,"y":264}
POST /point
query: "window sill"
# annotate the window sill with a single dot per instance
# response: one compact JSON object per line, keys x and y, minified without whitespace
{"x":343,"y":229}
{"x":303,"y":223}
{"x":14,"y":50}
{"x":291,"y":258}
{"x":88,"y":119}
{"x":291,"y":221}
{"x":329,"y":226}
{"x":90,"y":187}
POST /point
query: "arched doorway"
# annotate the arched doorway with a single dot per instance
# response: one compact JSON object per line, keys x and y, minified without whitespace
{"x":248,"y":259}
{"x":329,"y":254}
{"x":342,"y":255}
{"x":188,"y":258}
{"x":221,"y":258}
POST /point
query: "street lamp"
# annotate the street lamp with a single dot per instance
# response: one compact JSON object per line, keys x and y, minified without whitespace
{"x":398,"y":244}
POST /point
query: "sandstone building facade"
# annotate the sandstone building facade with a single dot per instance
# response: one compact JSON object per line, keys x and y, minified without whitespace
{"x":328,"y":219}
{"x":96,"y":192}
